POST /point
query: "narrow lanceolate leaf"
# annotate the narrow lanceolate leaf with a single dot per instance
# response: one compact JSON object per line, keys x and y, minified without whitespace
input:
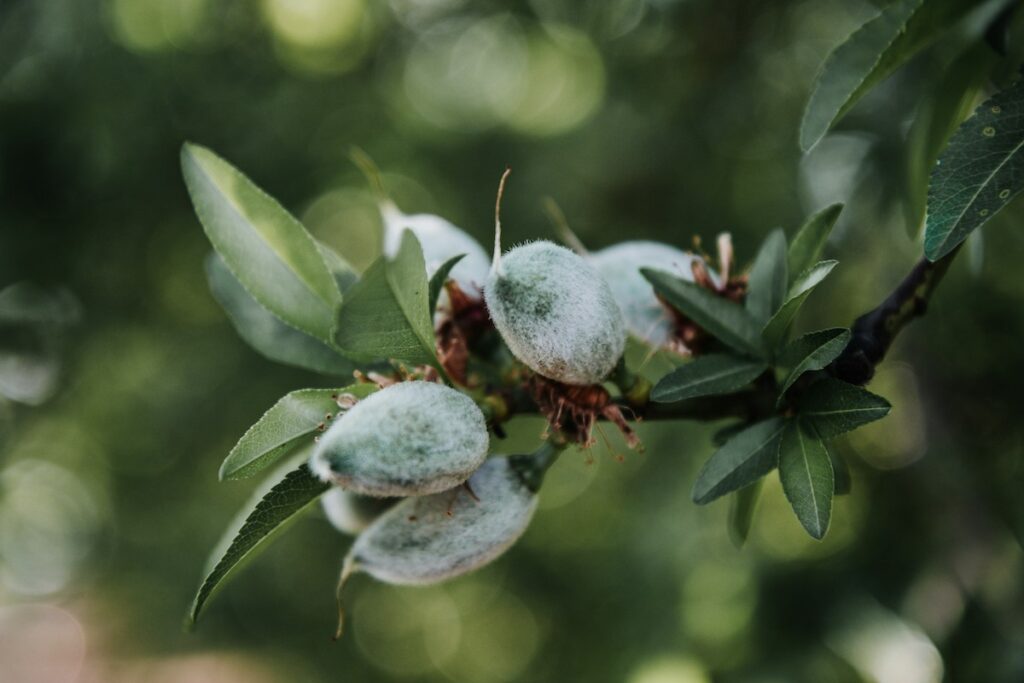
{"x":341,"y":270}
{"x":706,"y":376}
{"x":872,"y":53}
{"x":299,"y":414}
{"x":746,"y":457}
{"x":265,"y":332}
{"x":438,"y":279}
{"x":835,"y":407}
{"x":768,"y":278}
{"x":952,"y":97}
{"x":810,"y":239}
{"x":280,"y":506}
{"x":801,"y":288}
{"x":811,"y":352}
{"x":385,"y":314}
{"x":741,"y":512}
{"x":980,"y":170}
{"x":726,"y":320}
{"x":805,"y":471}
{"x":264,"y":246}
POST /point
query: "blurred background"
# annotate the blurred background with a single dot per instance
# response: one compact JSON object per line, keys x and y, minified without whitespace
{"x":662,"y":119}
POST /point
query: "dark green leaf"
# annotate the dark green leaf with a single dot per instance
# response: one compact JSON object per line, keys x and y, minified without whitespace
{"x":811,"y":352}
{"x":949,"y":101}
{"x":979,"y":172}
{"x":747,"y":457}
{"x":720,"y":437}
{"x":438,"y":279}
{"x":280,"y":506}
{"x":776,"y":329}
{"x":385,"y":314}
{"x":264,"y":247}
{"x":265,"y":332}
{"x":706,"y":376}
{"x":841,"y":469}
{"x":835,"y":407}
{"x":768,"y":278}
{"x":810,"y":239}
{"x":297,"y":415}
{"x":741,"y":512}
{"x":872,"y":53}
{"x":805,"y":470}
{"x":724,"y":319}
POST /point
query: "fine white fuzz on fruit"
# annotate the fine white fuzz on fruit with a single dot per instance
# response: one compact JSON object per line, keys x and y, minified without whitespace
{"x":349,"y":512}
{"x":646,"y":318}
{"x":408,"y":439}
{"x":554,"y":311}
{"x":440,"y":241}
{"x":428,"y":539}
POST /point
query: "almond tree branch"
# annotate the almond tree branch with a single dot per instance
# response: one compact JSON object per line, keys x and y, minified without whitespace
{"x":874,"y":332}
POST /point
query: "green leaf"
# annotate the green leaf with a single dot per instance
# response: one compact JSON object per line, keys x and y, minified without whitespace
{"x":280,"y":506}
{"x":810,"y":239}
{"x":726,"y":320}
{"x":741,"y":512}
{"x":872,"y":53}
{"x":841,"y":469}
{"x":341,"y":270}
{"x":805,"y":471}
{"x":776,"y":328}
{"x":438,"y":279}
{"x":979,"y":172}
{"x":811,"y":352}
{"x":747,"y":457}
{"x":950,"y":100}
{"x":297,"y":415}
{"x":768,"y":278}
{"x":835,"y":407}
{"x":706,"y":376}
{"x":265,"y":332}
{"x":265,"y":247}
{"x":385,"y":314}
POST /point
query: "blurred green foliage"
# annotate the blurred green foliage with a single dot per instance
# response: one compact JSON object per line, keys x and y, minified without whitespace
{"x":662,"y":119}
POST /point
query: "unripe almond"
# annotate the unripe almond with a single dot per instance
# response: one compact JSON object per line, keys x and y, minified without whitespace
{"x":554,"y":311}
{"x":408,"y":439}
{"x":620,"y":264}
{"x":428,"y":539}
{"x":350,"y":512}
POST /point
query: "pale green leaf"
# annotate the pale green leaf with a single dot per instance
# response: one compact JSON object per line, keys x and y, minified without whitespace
{"x":807,"y":245}
{"x":810,"y":352}
{"x":299,"y":414}
{"x":725,"y":320}
{"x":979,"y":172}
{"x":266,"y":248}
{"x":805,"y":471}
{"x":776,"y":328}
{"x":769,"y":279}
{"x":271,"y":515}
{"x":744,"y":459}
{"x":265,"y":332}
{"x":344,"y":274}
{"x":438,"y":279}
{"x":707,"y":375}
{"x":385,"y":314}
{"x":835,"y":407}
